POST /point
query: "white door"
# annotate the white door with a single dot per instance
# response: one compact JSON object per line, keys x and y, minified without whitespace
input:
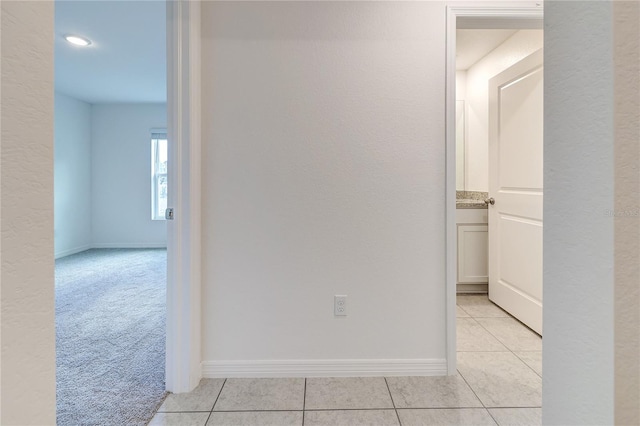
{"x":515,"y":183}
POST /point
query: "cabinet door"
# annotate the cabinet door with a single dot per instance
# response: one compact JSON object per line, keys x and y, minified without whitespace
{"x":473,"y":265}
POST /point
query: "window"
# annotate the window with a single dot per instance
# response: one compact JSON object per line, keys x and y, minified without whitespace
{"x":158,"y":175}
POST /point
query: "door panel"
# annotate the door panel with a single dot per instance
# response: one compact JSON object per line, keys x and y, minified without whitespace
{"x":516,"y":184}
{"x":518,"y":262}
{"x":520,"y":147}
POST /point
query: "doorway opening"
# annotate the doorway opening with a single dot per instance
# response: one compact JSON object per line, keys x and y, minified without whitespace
{"x":483,"y":43}
{"x":110,"y":185}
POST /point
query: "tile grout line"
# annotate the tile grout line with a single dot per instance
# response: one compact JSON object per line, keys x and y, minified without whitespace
{"x":508,"y":315}
{"x":503,"y":344}
{"x":215,"y":402}
{"x":493,"y":335}
{"x":481,"y":402}
{"x":261,"y":411}
{"x":349,"y":409}
{"x":392,"y":401}
{"x":312,"y":409}
{"x":513,"y":408}
{"x":472,"y":390}
{"x":304,"y":400}
{"x":539,"y":375}
{"x":454,"y":408}
{"x":475,"y":318}
{"x":461,"y":308}
{"x":493,"y":418}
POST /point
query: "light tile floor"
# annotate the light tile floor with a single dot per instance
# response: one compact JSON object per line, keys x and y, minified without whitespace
{"x":499,"y":382}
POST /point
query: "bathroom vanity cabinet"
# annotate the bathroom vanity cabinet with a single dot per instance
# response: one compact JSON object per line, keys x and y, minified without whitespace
{"x":473,"y":248}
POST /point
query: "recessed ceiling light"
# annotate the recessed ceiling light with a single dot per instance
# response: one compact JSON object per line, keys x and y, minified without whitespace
{"x":77,"y":40}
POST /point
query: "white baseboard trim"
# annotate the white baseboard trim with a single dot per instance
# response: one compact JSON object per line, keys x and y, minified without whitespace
{"x":462,"y":288}
{"x":130,"y":245}
{"x":325,"y":368}
{"x":69,"y":252}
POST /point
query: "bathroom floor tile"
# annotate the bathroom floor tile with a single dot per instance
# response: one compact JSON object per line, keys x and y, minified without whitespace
{"x":261,"y":394}
{"x":200,"y":399}
{"x":337,"y":393}
{"x":479,"y":306}
{"x":179,"y":419}
{"x":500,"y":379}
{"x":471,"y":336}
{"x":517,"y":416}
{"x":512,"y":334}
{"x":351,"y":418}
{"x":460,"y":313}
{"x":254,"y":418}
{"x":446,"y":417}
{"x":532,"y":359}
{"x":432,"y":392}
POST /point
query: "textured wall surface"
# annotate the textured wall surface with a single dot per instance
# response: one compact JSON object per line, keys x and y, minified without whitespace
{"x":518,"y":46}
{"x":323,"y":174}
{"x":627,"y":207}
{"x":27,"y":306}
{"x":72,"y":165}
{"x":121,"y":175}
{"x":578,"y":278}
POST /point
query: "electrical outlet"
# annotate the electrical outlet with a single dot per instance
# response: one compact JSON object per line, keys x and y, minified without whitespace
{"x":340,"y":305}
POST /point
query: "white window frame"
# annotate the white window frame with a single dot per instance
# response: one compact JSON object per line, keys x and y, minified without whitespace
{"x":156,"y":136}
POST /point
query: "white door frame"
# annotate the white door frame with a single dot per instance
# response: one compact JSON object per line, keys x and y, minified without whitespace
{"x":183,"y":341}
{"x":475,"y":15}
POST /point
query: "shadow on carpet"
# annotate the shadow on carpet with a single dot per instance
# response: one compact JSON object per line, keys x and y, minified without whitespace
{"x":110,"y":336}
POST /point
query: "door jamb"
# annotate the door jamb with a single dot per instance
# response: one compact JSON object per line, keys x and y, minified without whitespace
{"x":487,"y":15}
{"x":183,"y":369}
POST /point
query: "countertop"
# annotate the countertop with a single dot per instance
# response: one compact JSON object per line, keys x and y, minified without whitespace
{"x":466,"y":203}
{"x":471,"y":199}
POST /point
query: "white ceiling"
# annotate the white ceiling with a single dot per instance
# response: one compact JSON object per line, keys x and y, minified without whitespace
{"x":473,"y":45}
{"x":126,"y":61}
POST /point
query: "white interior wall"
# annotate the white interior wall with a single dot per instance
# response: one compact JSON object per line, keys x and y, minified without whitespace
{"x":578,"y":350}
{"x":461,"y":85}
{"x":461,"y":129}
{"x":515,"y":48}
{"x":121,"y":175}
{"x":72,"y":169}
{"x":323,"y":174}
{"x":27,"y":354}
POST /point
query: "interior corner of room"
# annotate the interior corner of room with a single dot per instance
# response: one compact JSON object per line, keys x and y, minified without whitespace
{"x":103,"y":175}
{"x":109,"y":95}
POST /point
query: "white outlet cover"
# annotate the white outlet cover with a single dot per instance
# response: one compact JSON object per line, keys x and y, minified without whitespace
{"x":340,"y":305}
